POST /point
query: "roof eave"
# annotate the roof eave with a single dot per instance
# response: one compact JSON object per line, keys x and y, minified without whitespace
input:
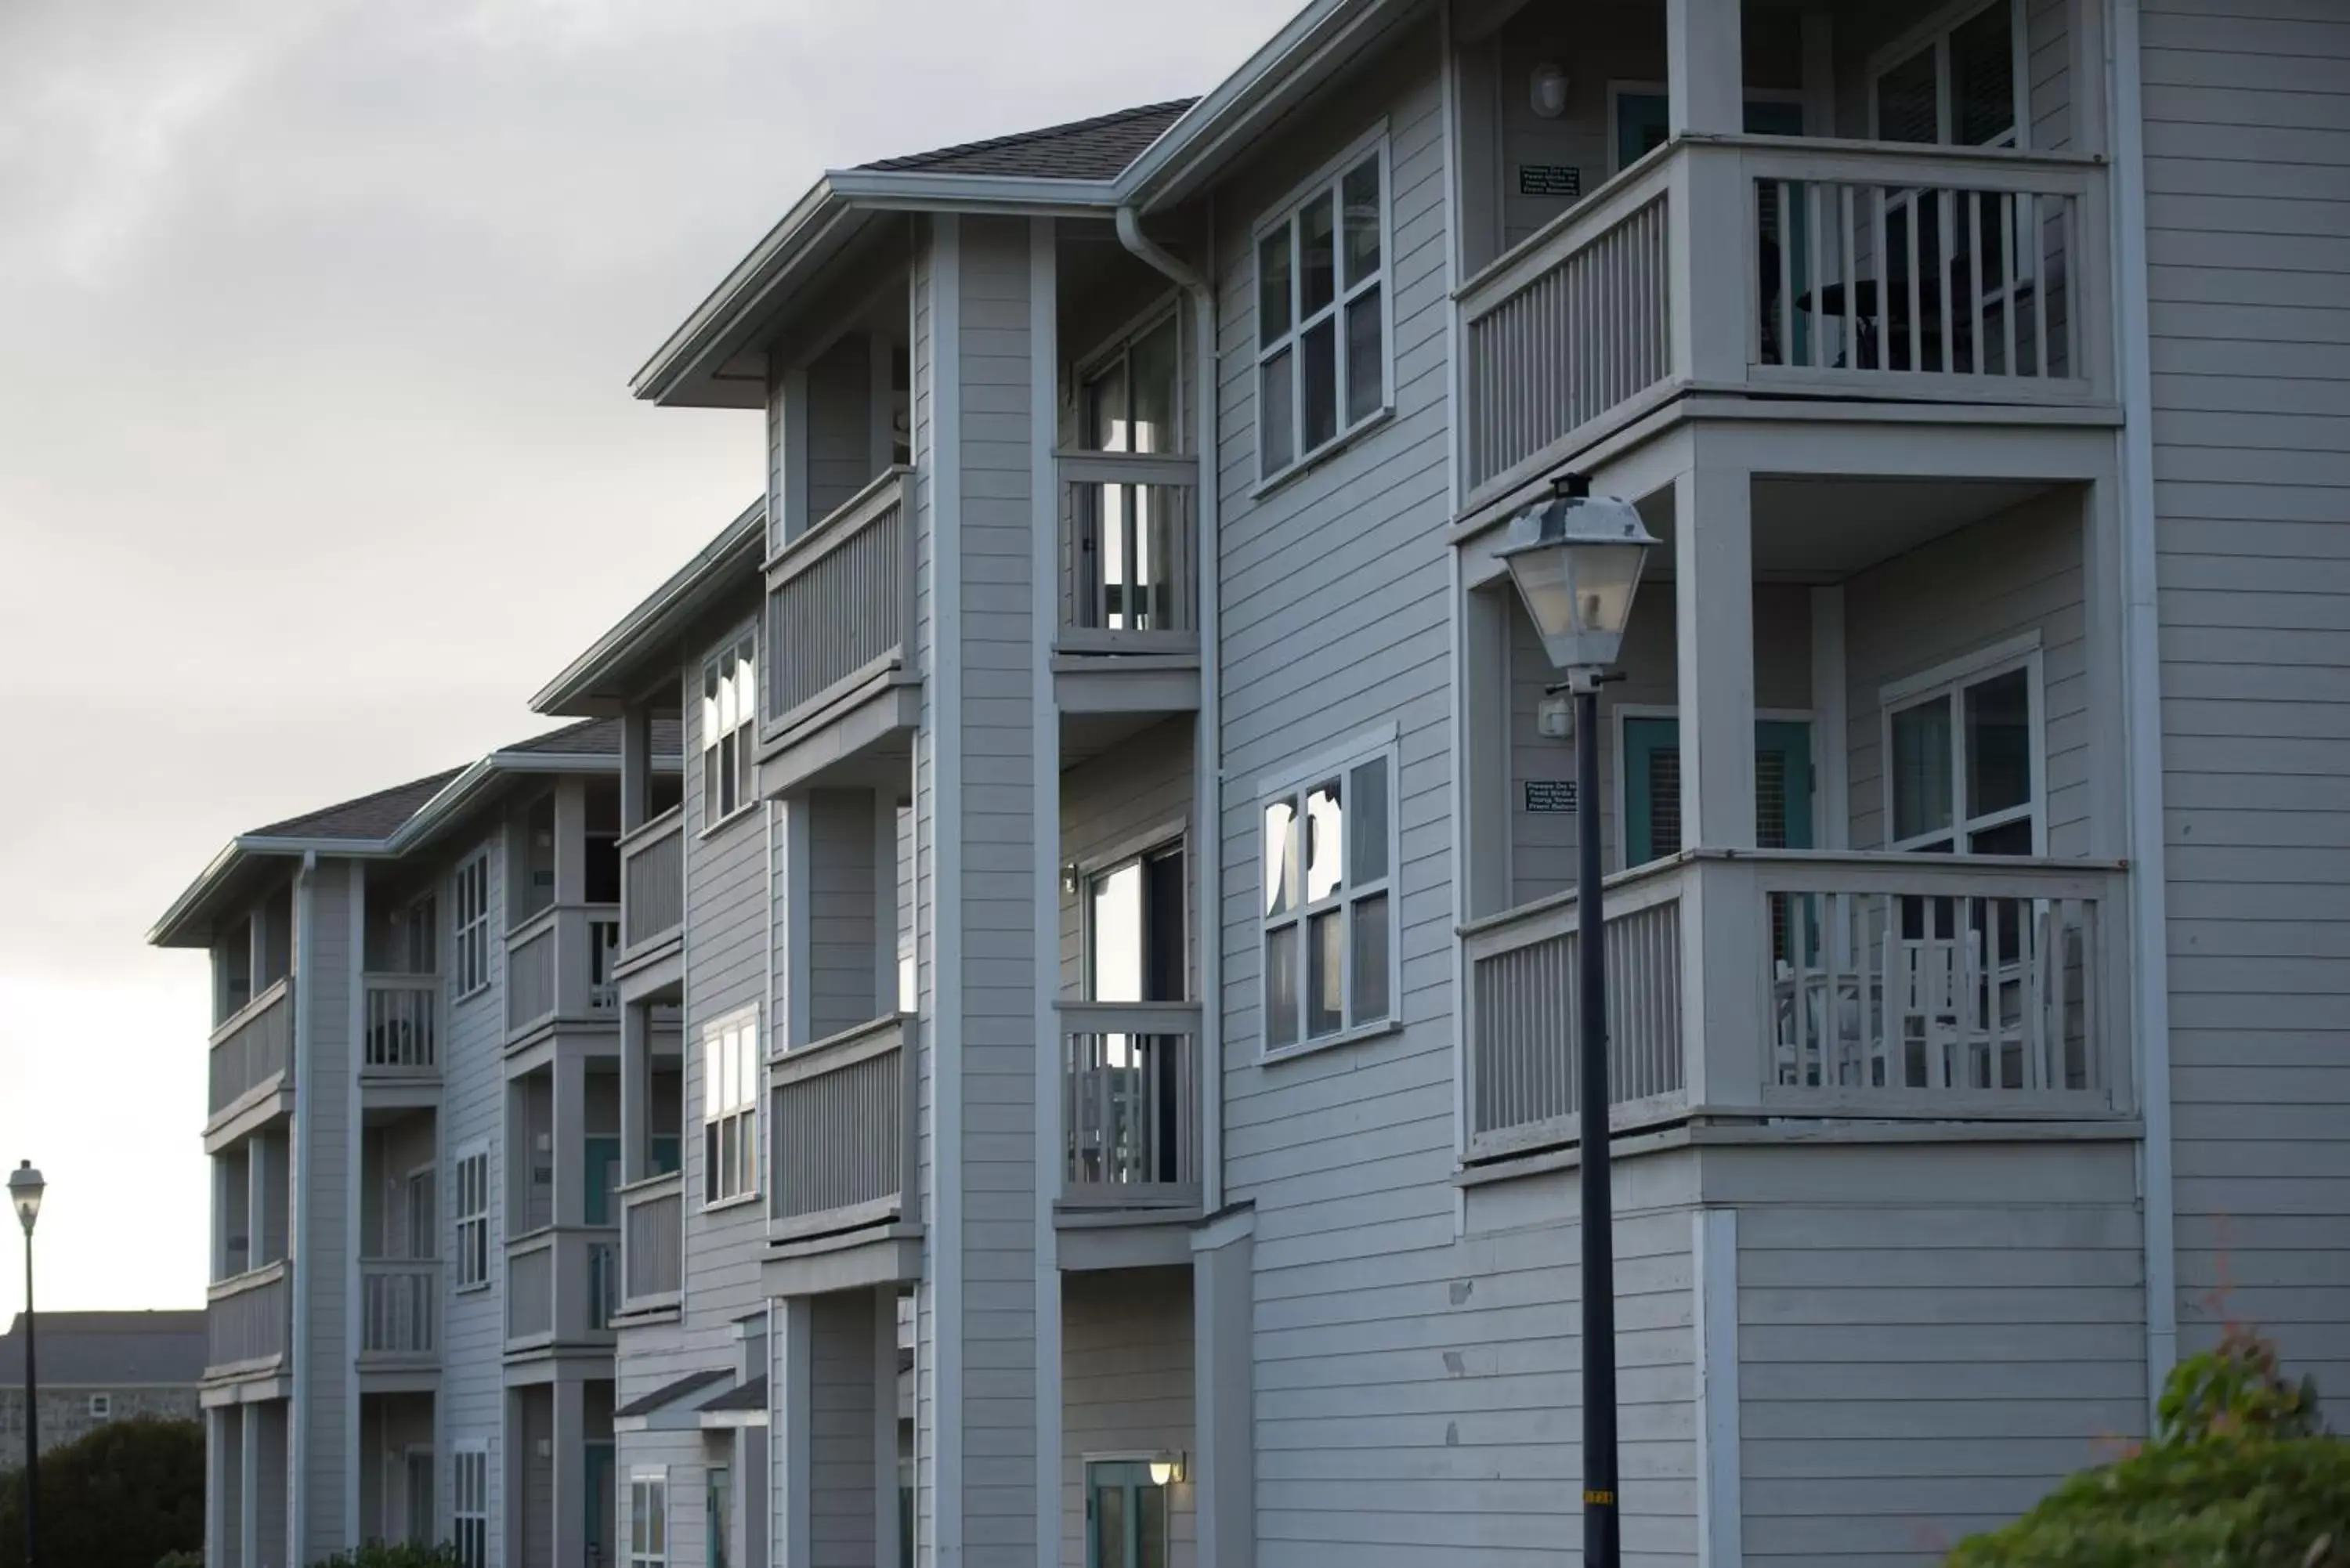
{"x":574,"y":693}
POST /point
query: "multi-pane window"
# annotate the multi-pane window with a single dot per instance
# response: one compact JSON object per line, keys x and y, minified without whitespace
{"x":1960,"y":768}
{"x":1956,"y":85}
{"x":729,"y":700}
{"x":649,"y":1519}
{"x":471,"y":1192}
{"x":1322,"y":304}
{"x":1329,"y":910}
{"x":729,"y":1108}
{"x":472,"y":905}
{"x":469,"y":1507}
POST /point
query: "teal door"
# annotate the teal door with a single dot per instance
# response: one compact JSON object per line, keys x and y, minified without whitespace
{"x":603,"y":1507}
{"x":1643,"y":121}
{"x":1125,"y":1516}
{"x":664,"y":1153}
{"x":603,"y":1162}
{"x":718,"y":1517}
{"x":1652,"y":786}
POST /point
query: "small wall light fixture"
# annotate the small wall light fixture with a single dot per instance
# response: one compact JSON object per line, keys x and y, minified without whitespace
{"x":1166,"y":1469}
{"x":1549,"y":89}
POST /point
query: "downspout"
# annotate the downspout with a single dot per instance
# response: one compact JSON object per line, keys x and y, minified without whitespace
{"x":2142,"y":699}
{"x":298,"y":1149}
{"x":1207,"y":773}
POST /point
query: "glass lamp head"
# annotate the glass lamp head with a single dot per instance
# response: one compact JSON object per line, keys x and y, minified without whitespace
{"x":25,"y":1190}
{"x":1576,"y":559}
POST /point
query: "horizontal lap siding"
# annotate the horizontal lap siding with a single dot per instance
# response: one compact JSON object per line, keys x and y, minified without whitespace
{"x":2248,"y":212}
{"x":2015,"y":574}
{"x":840,"y":1430}
{"x":842,"y":861}
{"x":473,"y":1102}
{"x":329,"y":1167}
{"x":1929,"y":1338}
{"x":1126,"y":1381}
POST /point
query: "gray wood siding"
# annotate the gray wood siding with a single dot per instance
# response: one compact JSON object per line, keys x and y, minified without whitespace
{"x":329,"y":1167}
{"x":2248,"y":211}
{"x":1929,"y":1337}
{"x":1109,"y":805}
{"x":1541,"y":845}
{"x":841,"y":1418}
{"x":1126,"y":1382}
{"x":536,"y":1407}
{"x":2017,"y":573}
{"x":839,"y":416}
{"x":922,"y":828}
{"x":842,"y":909}
{"x":996,"y":729}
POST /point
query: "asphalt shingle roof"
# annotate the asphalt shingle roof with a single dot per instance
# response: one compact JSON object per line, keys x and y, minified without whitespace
{"x":670,"y":1393}
{"x":96,"y":1349}
{"x":1096,"y":149}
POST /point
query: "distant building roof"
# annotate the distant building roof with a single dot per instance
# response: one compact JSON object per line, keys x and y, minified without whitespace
{"x":1096,"y":149}
{"x":95,"y":1349}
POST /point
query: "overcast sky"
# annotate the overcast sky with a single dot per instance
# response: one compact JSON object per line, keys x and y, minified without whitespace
{"x":316,"y":456}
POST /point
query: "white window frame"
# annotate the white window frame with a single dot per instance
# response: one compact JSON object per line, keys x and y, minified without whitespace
{"x":101,"y":1406}
{"x":1174,"y":836}
{"x":470,"y":902}
{"x":722,"y":694}
{"x":469,"y":1500}
{"x":642,"y":1483}
{"x":1117,"y":349}
{"x":1329,"y":180}
{"x":730,"y":1049}
{"x":1947,"y":682}
{"x":469,"y":1204}
{"x":1295,"y":784}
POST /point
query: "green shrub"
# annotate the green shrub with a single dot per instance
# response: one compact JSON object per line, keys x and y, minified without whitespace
{"x":378,"y":1555}
{"x":180,"y":1560}
{"x":2239,"y":1474}
{"x":120,"y":1496}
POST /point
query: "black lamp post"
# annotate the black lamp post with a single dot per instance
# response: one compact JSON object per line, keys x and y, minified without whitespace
{"x":25,"y":1188}
{"x":1577,"y":561}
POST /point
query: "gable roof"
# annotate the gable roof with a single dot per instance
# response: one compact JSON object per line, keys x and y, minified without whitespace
{"x":95,"y":1349}
{"x":370,"y":816}
{"x":1096,"y":149}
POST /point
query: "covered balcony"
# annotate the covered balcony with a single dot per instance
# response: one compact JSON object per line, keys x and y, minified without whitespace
{"x":1880,"y":881}
{"x":401,"y":1277}
{"x":1900,"y":205}
{"x":563,"y":1229}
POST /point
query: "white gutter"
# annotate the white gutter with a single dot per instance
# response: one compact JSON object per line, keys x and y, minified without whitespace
{"x":1206,"y":735}
{"x":2142,"y":699}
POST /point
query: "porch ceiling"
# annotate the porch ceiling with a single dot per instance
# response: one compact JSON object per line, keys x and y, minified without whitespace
{"x":1810,"y":529}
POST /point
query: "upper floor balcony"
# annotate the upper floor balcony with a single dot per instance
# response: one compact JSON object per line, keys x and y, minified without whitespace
{"x":1786,"y":266}
{"x":1131,"y":1105}
{"x":652,"y":890}
{"x":246,"y":1322}
{"x":251,"y":1071}
{"x":400,"y":1044}
{"x":559,"y":966}
{"x":1885,"y":986}
{"x":842,"y":1131}
{"x":563,"y":1287}
{"x":653,"y":1244}
{"x":399,"y":1315}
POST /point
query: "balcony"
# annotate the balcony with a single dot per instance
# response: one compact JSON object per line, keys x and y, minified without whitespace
{"x":1127,"y":636}
{"x":563,"y":1287}
{"x":840,"y":616}
{"x":400,"y":1313}
{"x":1130,"y":1104}
{"x":245,"y":1323}
{"x":653,"y":1244}
{"x":253,"y":1054}
{"x":1875,"y":986}
{"x":652,"y":888}
{"x":401,"y":1037}
{"x":843,"y":1132}
{"x":1787,"y":266}
{"x":560,"y":967}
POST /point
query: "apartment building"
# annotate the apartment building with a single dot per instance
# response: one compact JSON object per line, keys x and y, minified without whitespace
{"x":1090,"y":1027}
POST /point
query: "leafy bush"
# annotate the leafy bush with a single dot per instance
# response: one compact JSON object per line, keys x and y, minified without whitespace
{"x":180,"y":1560}
{"x":378,"y":1555}
{"x":119,"y":1497}
{"x":2239,"y":1475}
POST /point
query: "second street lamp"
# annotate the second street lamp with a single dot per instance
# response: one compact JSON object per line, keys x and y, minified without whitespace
{"x":1577,"y":562}
{"x":25,"y":1190}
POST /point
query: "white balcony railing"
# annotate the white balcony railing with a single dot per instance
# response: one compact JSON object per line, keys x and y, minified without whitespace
{"x":400,"y":1306}
{"x":839,"y":603}
{"x":842,"y":1131}
{"x":1130,"y":1102}
{"x":652,"y":1244}
{"x":652,"y":883}
{"x":253,"y":1047}
{"x":246,"y":1322}
{"x":402,"y":1030}
{"x":1787,"y":265}
{"x":1128,"y":552}
{"x":561,"y":1287}
{"x":559,"y":966}
{"x":1871,"y":985}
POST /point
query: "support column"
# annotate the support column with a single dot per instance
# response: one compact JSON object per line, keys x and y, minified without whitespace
{"x":885,"y":900}
{"x":888,"y":1524}
{"x":1223,"y":1364}
{"x":1713,"y":611}
{"x":636,"y":1091}
{"x":568,"y":1124}
{"x":791,"y":1430}
{"x":570,"y":1430}
{"x":1831,"y":739}
{"x":248,"y":1501}
{"x":1704,"y":67}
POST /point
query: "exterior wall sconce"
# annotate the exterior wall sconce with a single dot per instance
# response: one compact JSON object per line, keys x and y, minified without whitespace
{"x":1549,"y":89}
{"x":1166,"y":1469}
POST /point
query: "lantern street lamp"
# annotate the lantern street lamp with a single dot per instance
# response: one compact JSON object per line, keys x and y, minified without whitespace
{"x":1577,"y":561}
{"x":25,"y":1190}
